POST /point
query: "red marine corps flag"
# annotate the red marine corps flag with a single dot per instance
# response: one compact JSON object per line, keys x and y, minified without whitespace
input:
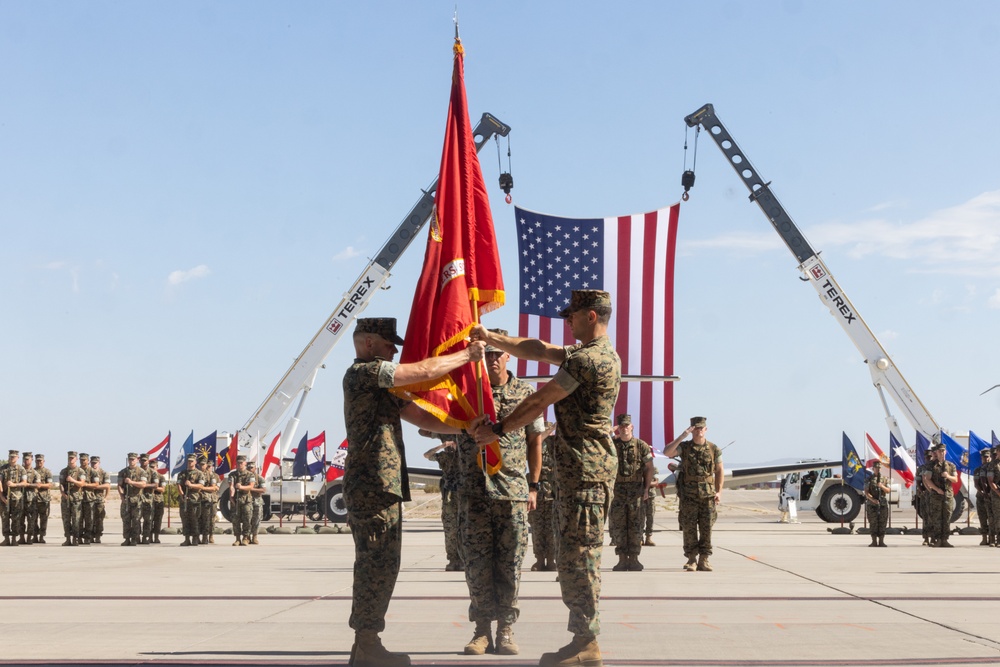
{"x":461,"y":277}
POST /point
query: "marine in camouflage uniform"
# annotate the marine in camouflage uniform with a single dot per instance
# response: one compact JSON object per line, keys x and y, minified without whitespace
{"x":257,"y":496}
{"x":699,"y":490}
{"x":542,"y":518}
{"x":375,"y":477}
{"x":877,"y":505}
{"x":919,"y":500}
{"x":43,"y":500}
{"x":4,"y":515}
{"x":446,"y":456}
{"x":583,"y":393}
{"x":131,"y":481}
{"x":635,"y":475}
{"x":87,"y":504}
{"x":494,"y":509}
{"x":72,"y":480}
{"x":100,"y":481}
{"x":938,"y":480}
{"x":146,"y":501}
{"x":189,"y":488}
{"x":980,"y":477}
{"x":209,"y":501}
{"x":241,"y":481}
{"x":649,"y":510}
{"x":993,"y":479}
{"x":160,"y":481}
{"x":27,"y":527}
{"x":14,"y":477}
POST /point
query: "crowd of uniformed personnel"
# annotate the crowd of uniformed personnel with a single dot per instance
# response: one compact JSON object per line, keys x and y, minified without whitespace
{"x":25,"y":500}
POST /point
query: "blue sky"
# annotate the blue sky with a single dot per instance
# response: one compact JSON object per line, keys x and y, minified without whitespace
{"x":186,"y":190}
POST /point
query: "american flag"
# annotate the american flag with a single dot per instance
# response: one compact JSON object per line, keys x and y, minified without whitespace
{"x":632,"y":257}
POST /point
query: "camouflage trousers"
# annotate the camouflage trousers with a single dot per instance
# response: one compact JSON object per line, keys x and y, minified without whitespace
{"x":921,"y":506}
{"x":28,"y":524}
{"x":206,"y":517}
{"x":99,"y":512}
{"x":939,"y":509}
{"x":87,"y":519}
{"x":625,"y":518}
{"x":580,"y":514}
{"x":696,"y":518}
{"x":42,"y":510}
{"x":543,"y":534}
{"x":648,"y":512}
{"x":377,"y":533}
{"x":71,"y":512}
{"x":131,"y":519}
{"x":157,"y":520}
{"x":146,"y":516}
{"x":241,"y":519}
{"x":191,"y":518}
{"x":255,"y":516}
{"x":5,"y":518}
{"x":878,"y":518}
{"x":14,"y":517}
{"x":995,"y":515}
{"x":451,"y":522}
{"x":495,"y":539}
{"x":983,"y":507}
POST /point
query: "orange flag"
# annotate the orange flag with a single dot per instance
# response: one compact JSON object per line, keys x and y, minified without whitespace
{"x":461,"y":278}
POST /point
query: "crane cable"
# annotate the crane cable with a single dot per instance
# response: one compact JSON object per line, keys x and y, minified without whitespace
{"x":687,"y":178}
{"x":506,"y":180}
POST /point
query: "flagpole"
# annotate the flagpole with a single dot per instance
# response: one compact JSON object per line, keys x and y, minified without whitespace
{"x":864,"y":478}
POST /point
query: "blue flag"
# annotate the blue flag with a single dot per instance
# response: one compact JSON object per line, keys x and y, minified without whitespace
{"x":922,"y":445}
{"x":186,"y":448}
{"x":996,"y":441}
{"x":976,"y":447}
{"x":955,"y":453}
{"x":206,"y":446}
{"x":853,"y":466}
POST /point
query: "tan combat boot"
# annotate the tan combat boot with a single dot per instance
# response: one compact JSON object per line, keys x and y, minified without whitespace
{"x":580,"y":652}
{"x":505,"y":641}
{"x":691,"y":564}
{"x":238,"y":542}
{"x":703,"y":565}
{"x":649,"y":542}
{"x":211,"y":539}
{"x":369,"y":652}
{"x":253,"y":540}
{"x":481,"y":641}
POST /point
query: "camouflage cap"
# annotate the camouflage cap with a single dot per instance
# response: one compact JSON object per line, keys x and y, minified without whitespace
{"x":383,"y":326}
{"x":84,"y":455}
{"x":586,"y":299}
{"x":939,"y":447}
{"x":26,"y":455}
{"x":13,"y":452}
{"x":876,"y":463}
{"x":202,"y":459}
{"x":70,"y":455}
{"x":132,"y":455}
{"x":39,"y":457}
{"x":502,"y":332}
{"x":144,"y":456}
{"x":95,"y":459}
{"x":191,"y":457}
{"x":699,"y":422}
{"x":241,"y":458}
{"x":624,"y":420}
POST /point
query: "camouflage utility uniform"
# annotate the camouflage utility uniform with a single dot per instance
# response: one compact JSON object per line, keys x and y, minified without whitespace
{"x":14,"y":516}
{"x":993,"y":479}
{"x":586,"y":465}
{"x":981,"y":479}
{"x":100,"y":477}
{"x":696,"y":495}
{"x":495,"y":515}
{"x":541,"y":519}
{"x":43,"y":501}
{"x":940,"y":506}
{"x":257,"y":515}
{"x":242,"y":507}
{"x":27,"y":527}
{"x":72,"y":503}
{"x":375,"y":485}
{"x":625,"y":516}
{"x":209,"y":505}
{"x":190,"y":504}
{"x":156,"y":521}
{"x":877,"y":512}
{"x":132,"y":503}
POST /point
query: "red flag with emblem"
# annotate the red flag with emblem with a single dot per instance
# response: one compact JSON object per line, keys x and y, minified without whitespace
{"x":461,"y":277}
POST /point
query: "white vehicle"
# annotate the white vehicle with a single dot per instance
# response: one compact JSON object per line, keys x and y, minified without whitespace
{"x":313,"y":495}
{"x":885,"y":376}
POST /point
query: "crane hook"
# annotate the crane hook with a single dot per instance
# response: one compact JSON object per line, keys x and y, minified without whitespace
{"x":687,"y":180}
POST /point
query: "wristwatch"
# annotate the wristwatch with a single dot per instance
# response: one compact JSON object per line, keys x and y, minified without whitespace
{"x":498,"y":429}
{"x":532,"y":486}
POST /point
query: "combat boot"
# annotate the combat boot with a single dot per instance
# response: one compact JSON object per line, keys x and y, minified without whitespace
{"x":211,"y":538}
{"x":20,"y":540}
{"x":622,"y":564}
{"x":186,"y":542}
{"x":505,"y":641}
{"x":874,"y":542}
{"x":539,"y":565}
{"x":253,"y":540}
{"x":97,"y":540}
{"x":580,"y":652}
{"x":41,"y":540}
{"x":945,"y":543}
{"x":204,"y":539}
{"x":881,"y":540}
{"x":649,"y":542}
{"x":238,"y":542}
{"x":634,"y":565}
{"x":481,"y":641}
{"x":6,"y":541}
{"x":703,"y":564}
{"x":691,"y":565}
{"x":985,"y":541}
{"x":68,"y":542}
{"x":369,"y":652}
{"x":156,"y":538}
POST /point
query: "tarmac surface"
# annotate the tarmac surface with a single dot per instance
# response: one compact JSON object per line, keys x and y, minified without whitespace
{"x":780,"y":595}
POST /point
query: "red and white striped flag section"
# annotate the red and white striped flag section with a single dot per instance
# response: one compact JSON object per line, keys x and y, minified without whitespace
{"x":632,"y":258}
{"x":161,"y":455}
{"x":272,"y":459}
{"x":877,"y":451}
{"x":336,"y":469}
{"x":461,"y":277}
